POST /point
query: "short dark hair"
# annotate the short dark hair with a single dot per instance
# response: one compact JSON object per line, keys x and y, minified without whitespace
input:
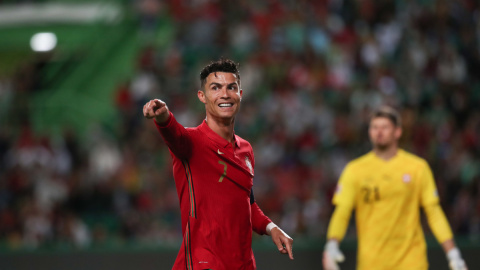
{"x":221,"y":65}
{"x":388,"y":112}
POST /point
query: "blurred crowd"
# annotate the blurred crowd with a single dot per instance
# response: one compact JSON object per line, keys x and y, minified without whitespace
{"x":311,"y":72}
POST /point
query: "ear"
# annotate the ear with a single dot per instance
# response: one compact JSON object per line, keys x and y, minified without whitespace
{"x":398,"y":133}
{"x":241,"y":94}
{"x":201,"y":96}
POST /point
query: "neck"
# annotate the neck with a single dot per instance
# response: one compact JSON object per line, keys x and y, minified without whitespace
{"x":223,"y":127}
{"x":387,"y":153}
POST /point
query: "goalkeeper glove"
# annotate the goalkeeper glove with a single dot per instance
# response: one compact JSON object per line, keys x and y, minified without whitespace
{"x":332,"y":256}
{"x":455,"y":260}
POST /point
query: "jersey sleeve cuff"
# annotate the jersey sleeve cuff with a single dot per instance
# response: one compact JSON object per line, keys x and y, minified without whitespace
{"x":270,"y":226}
{"x":167,"y":123}
{"x":264,"y":225}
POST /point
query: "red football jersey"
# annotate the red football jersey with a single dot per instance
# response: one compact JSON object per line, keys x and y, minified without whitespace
{"x":214,"y":181}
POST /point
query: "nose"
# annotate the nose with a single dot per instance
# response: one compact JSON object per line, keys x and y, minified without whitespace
{"x":224,"y":92}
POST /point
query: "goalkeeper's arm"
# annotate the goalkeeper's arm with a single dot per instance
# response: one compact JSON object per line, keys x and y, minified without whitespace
{"x":441,"y":229}
{"x":336,"y":231}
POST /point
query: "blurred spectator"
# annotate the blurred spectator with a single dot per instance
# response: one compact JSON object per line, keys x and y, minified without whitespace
{"x":311,"y":73}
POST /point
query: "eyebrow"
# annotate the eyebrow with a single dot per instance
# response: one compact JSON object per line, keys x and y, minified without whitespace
{"x":217,"y":83}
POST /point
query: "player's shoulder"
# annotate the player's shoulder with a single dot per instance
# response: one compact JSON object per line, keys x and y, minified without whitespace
{"x":242,"y":141}
{"x":360,"y":161}
{"x":193,"y":129}
{"x":196,"y":134}
{"x":410,"y":158}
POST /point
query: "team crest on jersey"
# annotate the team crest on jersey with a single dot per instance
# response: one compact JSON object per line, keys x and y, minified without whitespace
{"x":338,"y":189}
{"x":249,"y":164}
{"x":406,"y":178}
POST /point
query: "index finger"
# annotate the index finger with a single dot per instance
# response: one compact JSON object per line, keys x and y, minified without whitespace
{"x":289,"y":247}
{"x":158,"y":102}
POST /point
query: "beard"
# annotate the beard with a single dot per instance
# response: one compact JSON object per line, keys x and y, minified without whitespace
{"x":383,"y":146}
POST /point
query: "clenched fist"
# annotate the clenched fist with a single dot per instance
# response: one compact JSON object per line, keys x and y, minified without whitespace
{"x":156,"y":109}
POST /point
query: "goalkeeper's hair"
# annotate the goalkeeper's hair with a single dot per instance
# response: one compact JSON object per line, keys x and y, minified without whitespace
{"x":221,"y":65}
{"x":389,"y":113}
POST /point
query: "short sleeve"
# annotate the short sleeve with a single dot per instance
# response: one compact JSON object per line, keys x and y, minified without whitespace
{"x":345,"y":191}
{"x":429,"y":193}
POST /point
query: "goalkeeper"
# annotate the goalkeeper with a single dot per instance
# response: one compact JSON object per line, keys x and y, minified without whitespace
{"x":387,"y":187}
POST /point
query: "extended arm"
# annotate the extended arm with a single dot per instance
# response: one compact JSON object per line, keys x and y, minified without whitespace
{"x":339,"y":222}
{"x":259,"y":219}
{"x":156,"y":109}
{"x":173,"y":133}
{"x":441,"y":229}
{"x":261,"y":224}
{"x":344,"y":201}
{"x":336,"y":231}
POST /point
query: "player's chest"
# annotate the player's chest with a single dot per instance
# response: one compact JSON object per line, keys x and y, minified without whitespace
{"x":224,"y":167}
{"x":385,"y":185}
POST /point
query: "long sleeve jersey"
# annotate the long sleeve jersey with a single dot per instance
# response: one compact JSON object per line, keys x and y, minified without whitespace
{"x":387,"y":197}
{"x":214,"y":180}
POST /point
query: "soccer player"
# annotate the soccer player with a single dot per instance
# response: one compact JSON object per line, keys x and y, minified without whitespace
{"x":387,"y":187}
{"x":213,"y":170}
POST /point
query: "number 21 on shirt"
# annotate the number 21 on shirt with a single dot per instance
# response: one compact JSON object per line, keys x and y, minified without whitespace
{"x":370,"y":194}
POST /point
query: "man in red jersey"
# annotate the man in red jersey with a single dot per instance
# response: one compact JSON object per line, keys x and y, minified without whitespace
{"x":213,"y":170}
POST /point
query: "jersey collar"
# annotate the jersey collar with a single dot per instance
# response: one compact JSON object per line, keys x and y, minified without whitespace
{"x":392,"y":160}
{"x":217,"y":138}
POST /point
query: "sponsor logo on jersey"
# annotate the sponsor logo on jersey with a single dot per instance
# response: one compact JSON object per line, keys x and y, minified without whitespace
{"x":220,"y":153}
{"x":249,"y":164}
{"x":406,"y":178}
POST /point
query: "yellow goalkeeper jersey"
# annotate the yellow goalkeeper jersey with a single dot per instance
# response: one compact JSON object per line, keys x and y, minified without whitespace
{"x":387,"y":196}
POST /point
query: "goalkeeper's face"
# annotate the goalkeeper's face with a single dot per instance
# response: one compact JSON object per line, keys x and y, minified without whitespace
{"x":383,"y":133}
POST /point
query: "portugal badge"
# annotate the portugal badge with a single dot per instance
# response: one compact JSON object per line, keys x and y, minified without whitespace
{"x":249,"y":164}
